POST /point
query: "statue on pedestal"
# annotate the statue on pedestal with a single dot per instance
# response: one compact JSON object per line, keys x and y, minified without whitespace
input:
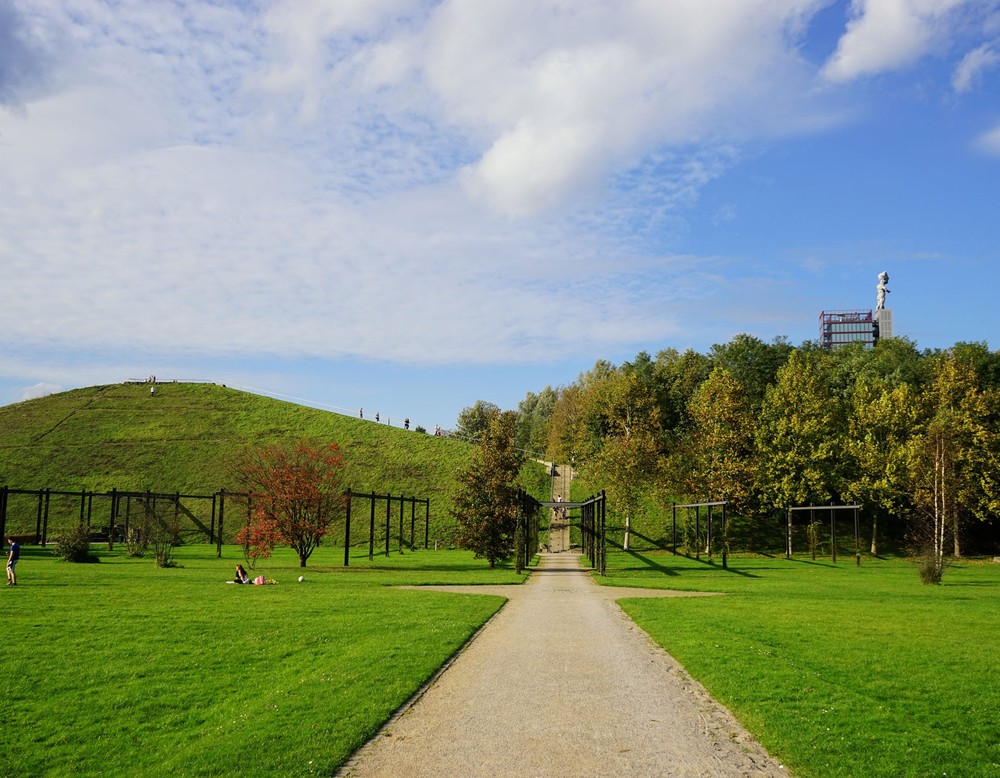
{"x":882,"y":288}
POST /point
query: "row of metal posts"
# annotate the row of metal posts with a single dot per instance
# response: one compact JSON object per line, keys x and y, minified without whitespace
{"x":708,"y":530}
{"x":86,"y":508}
{"x":855,"y":508}
{"x":389,"y":500}
{"x":216,"y":529}
{"x":529,"y":526}
{"x":592,"y":527}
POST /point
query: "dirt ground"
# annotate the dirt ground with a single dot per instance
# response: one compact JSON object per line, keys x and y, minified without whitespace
{"x":562,"y":683}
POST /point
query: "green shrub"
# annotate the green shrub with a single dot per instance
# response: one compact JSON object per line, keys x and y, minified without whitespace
{"x":74,"y":546}
{"x":929,"y":569}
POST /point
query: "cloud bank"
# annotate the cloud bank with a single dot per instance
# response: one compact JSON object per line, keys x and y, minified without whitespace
{"x":396,"y":179}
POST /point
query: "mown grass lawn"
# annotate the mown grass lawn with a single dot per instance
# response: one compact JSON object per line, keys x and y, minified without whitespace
{"x":838,"y":670}
{"x":120,"y":668}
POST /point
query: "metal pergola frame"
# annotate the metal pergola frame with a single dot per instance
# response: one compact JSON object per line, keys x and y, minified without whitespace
{"x":855,"y":507}
{"x":697,"y":522}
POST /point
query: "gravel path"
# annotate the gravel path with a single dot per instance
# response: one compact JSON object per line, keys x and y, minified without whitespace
{"x":562,"y":683}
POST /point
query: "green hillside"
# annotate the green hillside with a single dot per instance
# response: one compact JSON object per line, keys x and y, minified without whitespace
{"x":183,"y":439}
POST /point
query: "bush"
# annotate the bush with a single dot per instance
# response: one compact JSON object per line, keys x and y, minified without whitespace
{"x":929,"y":569}
{"x":74,"y":546}
{"x":164,"y":536}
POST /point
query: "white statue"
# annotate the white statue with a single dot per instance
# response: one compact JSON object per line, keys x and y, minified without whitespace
{"x":883,"y":281}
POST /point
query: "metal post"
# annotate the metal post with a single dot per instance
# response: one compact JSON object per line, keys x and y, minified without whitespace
{"x":371,"y":530}
{"x":788,"y":532}
{"x":697,"y":532}
{"x":388,"y":520}
{"x":38,"y":519}
{"x":222,"y":513}
{"x":3,"y":515}
{"x":347,"y":532}
{"x":427,"y":523}
{"x":857,"y":539}
{"x":45,"y":517}
{"x":833,"y":533}
{"x":111,"y":525}
{"x":604,"y":539}
{"x":128,"y":513}
{"x":725,"y":540}
{"x":674,"y":511}
{"x":211,"y":531}
{"x":413,"y":523}
{"x":401,"y":506}
{"x":812,"y":533}
{"x":708,"y":533}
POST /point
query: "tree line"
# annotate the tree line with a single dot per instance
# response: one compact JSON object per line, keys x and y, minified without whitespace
{"x":912,"y":435}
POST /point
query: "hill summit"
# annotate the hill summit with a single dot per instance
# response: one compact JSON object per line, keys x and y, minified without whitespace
{"x":184,"y":438}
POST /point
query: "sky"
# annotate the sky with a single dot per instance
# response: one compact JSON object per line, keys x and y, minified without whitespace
{"x":407,"y":206}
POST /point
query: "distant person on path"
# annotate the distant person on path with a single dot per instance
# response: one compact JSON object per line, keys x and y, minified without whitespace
{"x":561,"y":512}
{"x":12,"y":556}
{"x":437,"y":430}
{"x":361,"y":413}
{"x":152,"y":391}
{"x":406,"y":424}
{"x":241,"y":575}
{"x":376,"y":417}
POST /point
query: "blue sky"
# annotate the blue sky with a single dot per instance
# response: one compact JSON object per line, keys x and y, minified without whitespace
{"x":408,"y":206}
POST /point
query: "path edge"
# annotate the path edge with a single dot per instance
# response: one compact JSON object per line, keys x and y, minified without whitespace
{"x":345,"y":769}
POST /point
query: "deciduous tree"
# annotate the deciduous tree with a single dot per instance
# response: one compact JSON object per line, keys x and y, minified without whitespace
{"x":472,"y":421}
{"x":623,"y":408}
{"x":486,"y":505}
{"x":955,"y":472}
{"x":293,"y":495}
{"x":800,"y":437}
{"x":883,"y":422}
{"x":723,"y":447}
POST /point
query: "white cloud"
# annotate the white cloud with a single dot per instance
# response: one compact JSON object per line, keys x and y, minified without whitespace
{"x":885,"y":35}
{"x":563,"y":96}
{"x":990,"y":141}
{"x":397,"y":179}
{"x":38,"y":390}
{"x":973,"y":65}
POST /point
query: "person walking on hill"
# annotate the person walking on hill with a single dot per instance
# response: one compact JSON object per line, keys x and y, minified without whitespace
{"x":12,"y":556}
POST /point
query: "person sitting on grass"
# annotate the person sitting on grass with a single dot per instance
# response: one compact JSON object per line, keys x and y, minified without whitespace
{"x":241,"y":575}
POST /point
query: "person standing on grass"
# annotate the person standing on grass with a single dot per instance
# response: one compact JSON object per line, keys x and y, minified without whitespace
{"x":12,"y":556}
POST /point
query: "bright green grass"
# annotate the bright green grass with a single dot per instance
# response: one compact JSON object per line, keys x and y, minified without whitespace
{"x":122,"y":668}
{"x":185,"y":439}
{"x":838,"y":670}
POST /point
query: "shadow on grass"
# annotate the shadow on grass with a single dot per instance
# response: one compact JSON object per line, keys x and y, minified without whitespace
{"x":818,"y":564}
{"x":653,"y":565}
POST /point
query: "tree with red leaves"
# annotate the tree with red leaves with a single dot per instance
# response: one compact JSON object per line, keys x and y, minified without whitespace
{"x":293,"y":495}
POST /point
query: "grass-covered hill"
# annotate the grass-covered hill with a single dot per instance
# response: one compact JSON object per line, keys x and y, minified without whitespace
{"x":184,"y":438}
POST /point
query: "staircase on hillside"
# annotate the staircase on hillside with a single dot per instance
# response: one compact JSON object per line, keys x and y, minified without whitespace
{"x":559,"y":536}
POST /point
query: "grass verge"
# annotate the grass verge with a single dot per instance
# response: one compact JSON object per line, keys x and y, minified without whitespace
{"x":123,"y":668}
{"x":838,"y":670}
